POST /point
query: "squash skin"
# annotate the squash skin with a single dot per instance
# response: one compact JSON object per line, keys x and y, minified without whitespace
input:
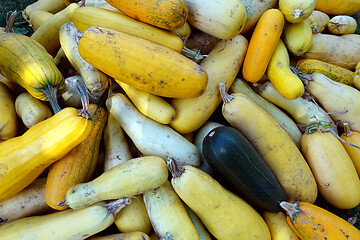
{"x":312,"y":222}
{"x":332,"y":71}
{"x":262,"y":44}
{"x":130,"y":178}
{"x":8,"y":118}
{"x":142,"y":64}
{"x":296,"y":11}
{"x":222,"y":64}
{"x":223,"y":213}
{"x":38,"y":72}
{"x":168,"y":14}
{"x":85,"y":17}
{"x":231,"y":155}
{"x":352,"y":137}
{"x":78,"y":165}
{"x":274,"y":146}
{"x":329,"y":161}
{"x":279,"y":228}
{"x":336,"y":7}
{"x":287,"y":83}
{"x":23,"y":158}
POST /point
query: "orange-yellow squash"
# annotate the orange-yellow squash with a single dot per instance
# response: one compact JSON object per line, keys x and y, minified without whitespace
{"x":142,"y":64}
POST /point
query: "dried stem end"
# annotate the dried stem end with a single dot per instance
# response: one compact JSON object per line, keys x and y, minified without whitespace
{"x":175,"y":169}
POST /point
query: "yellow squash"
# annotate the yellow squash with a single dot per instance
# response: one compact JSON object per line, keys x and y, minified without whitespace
{"x":142,"y":64}
{"x":223,"y":213}
{"x":85,"y":17}
{"x":272,"y":143}
{"x":312,"y":222}
{"x":335,"y":7}
{"x":27,"y":63}
{"x":24,"y":158}
{"x":8,"y":118}
{"x":296,"y":11}
{"x":298,"y":37}
{"x":287,"y":83}
{"x":352,"y":137}
{"x":279,"y":228}
{"x":222,"y":64}
{"x":332,"y":167}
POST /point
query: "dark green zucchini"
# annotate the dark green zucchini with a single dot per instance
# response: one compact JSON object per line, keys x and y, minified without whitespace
{"x":234,"y":158}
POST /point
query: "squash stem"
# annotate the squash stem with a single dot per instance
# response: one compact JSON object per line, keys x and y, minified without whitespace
{"x":291,"y":209}
{"x":50,"y":92}
{"x":10,"y":21}
{"x":347,"y":131}
{"x":224,"y":95}
{"x":175,"y":169}
{"x":196,"y":56}
{"x":115,"y":206}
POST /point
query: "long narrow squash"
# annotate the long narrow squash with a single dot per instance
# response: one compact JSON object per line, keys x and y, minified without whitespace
{"x":38,"y":17}
{"x":262,"y":44}
{"x":152,"y":106}
{"x":8,"y":118}
{"x":122,"y":236}
{"x":312,"y":222}
{"x":222,"y":64}
{"x":235,"y":159}
{"x":336,"y":7}
{"x":142,"y":64}
{"x":127,"y":179}
{"x":169,"y":14}
{"x":69,"y":224}
{"x":79,"y":164}
{"x":223,"y":213}
{"x":149,"y":136}
{"x":27,"y":63}
{"x":279,"y":228}
{"x":23,"y":158}
{"x":134,"y":217}
{"x":273,"y":144}
{"x":287,"y":83}
{"x":168,"y":215}
{"x":29,"y":202}
{"x":52,"y":6}
{"x":333,"y":169}
{"x":352,"y":137}
{"x":48,"y":33}
{"x":303,"y":110}
{"x":332,"y":71}
{"x":85,"y":17}
{"x":341,"y":100}
{"x":222,"y":19}
{"x":31,"y":110}
{"x":95,"y":80}
{"x":288,"y":124}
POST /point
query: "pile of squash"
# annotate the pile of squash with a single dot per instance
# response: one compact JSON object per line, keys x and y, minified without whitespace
{"x":180,"y":119}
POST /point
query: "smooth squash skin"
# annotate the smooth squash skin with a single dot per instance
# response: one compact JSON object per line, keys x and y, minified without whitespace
{"x":222,"y":19}
{"x":273,"y":144}
{"x":222,"y":64}
{"x":142,"y":64}
{"x":123,"y":236}
{"x":23,"y":158}
{"x":8,"y":118}
{"x":332,"y":71}
{"x":356,"y":78}
{"x":32,"y":67}
{"x":342,"y":24}
{"x":287,"y":83}
{"x":169,"y":14}
{"x":318,"y":21}
{"x":223,"y":213}
{"x":167,"y":213}
{"x":85,"y":17}
{"x":296,"y":11}
{"x":352,"y":137}
{"x":31,"y":110}
{"x":341,"y":100}
{"x":48,"y":33}
{"x":231,"y":155}
{"x":333,"y":169}
{"x":84,"y":223}
{"x":130,"y":178}
{"x":78,"y":165}
{"x":287,"y":123}
{"x":312,"y":222}
{"x":336,"y":7}
{"x":38,"y":17}
{"x":262,"y":44}
{"x":298,"y":37}
{"x":279,"y":228}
